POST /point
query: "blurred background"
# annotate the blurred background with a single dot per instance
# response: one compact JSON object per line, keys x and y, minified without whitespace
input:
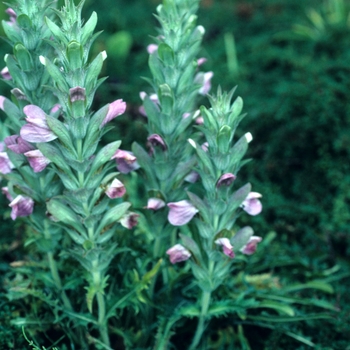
{"x":291,"y":62}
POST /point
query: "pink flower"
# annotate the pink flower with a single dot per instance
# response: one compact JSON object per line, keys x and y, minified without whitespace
{"x":37,"y":129}
{"x":55,"y":108}
{"x":6,"y":165}
{"x":251,"y":204}
{"x":126,"y":161}
{"x":178,"y":253}
{"x":192,"y":177}
{"x":129,"y":220}
{"x":156,"y":140}
{"x":250,"y":247}
{"x":226,"y":180}
{"x":5,"y":73}
{"x":17,"y":145}
{"x":37,"y":160}
{"x":152,"y":48}
{"x":115,"y":108}
{"x":12,"y":14}
{"x":155,"y":204}
{"x":203,"y":79}
{"x":181,"y":212}
{"x":19,"y":94}
{"x":21,"y":206}
{"x":226,"y":247}
{"x":116,"y":189}
{"x":6,"y":192}
{"x":201,"y":61}
{"x":77,"y":94}
{"x":2,"y":100}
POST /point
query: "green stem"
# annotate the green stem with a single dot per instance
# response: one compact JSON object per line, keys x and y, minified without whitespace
{"x":54,"y":271}
{"x":102,"y":319}
{"x":206,"y":296}
{"x":202,"y":320}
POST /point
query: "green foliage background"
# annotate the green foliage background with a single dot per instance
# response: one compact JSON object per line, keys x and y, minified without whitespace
{"x":296,"y":93}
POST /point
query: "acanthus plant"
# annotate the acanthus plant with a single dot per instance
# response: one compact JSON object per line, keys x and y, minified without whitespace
{"x":107,"y":282}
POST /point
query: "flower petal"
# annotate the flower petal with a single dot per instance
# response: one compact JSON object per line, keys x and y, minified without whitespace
{"x":37,"y":160}
{"x":21,"y":206}
{"x":155,"y":204}
{"x":116,"y":189}
{"x":115,"y":108}
{"x":35,"y":115}
{"x":181,"y":212}
{"x":250,"y":247}
{"x":33,"y":133}
{"x":6,"y":165}
{"x":226,"y":247}
{"x":178,"y":253}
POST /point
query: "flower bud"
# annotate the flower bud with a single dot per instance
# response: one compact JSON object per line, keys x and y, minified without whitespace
{"x":178,"y":253}
{"x":226,"y":247}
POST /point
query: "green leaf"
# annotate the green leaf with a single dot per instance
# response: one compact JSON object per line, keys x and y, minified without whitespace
{"x":237,"y":152}
{"x":61,"y":131}
{"x":56,"y":31}
{"x":224,"y":139}
{"x":56,"y":75}
{"x":282,"y":319}
{"x":63,"y":213}
{"x":190,"y":244}
{"x":113,"y":215}
{"x":103,"y":156}
{"x":166,"y":54}
{"x":146,"y":163}
{"x":279,"y":307}
{"x":236,"y":109}
{"x":89,"y":28}
{"x":316,"y":284}
{"x":201,"y":206}
{"x":241,"y":237}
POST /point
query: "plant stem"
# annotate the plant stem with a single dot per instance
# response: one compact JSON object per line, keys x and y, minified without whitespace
{"x":206,"y":296}
{"x":102,"y":319}
{"x":201,"y":323}
{"x":54,"y":271}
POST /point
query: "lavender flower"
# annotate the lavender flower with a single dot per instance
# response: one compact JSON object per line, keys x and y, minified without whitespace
{"x":115,"y":108}
{"x":181,"y":212}
{"x":226,"y":180}
{"x":77,"y":94}
{"x":5,"y":73}
{"x":204,"y":79}
{"x":156,"y":140}
{"x":17,"y":145}
{"x":192,"y":177}
{"x":155,"y":204}
{"x":116,"y":189}
{"x":12,"y":14}
{"x":129,"y":220}
{"x":37,"y":160}
{"x":250,"y":247}
{"x":37,"y":129}
{"x":251,"y":204}
{"x":6,"y":165}
{"x":126,"y":161}
{"x":21,"y":206}
{"x":201,"y":61}
{"x":6,"y":192}
{"x":178,"y":253}
{"x":152,"y":48}
{"x":226,"y":247}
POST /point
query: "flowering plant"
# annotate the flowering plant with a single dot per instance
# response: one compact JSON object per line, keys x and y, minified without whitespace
{"x":105,"y":283}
